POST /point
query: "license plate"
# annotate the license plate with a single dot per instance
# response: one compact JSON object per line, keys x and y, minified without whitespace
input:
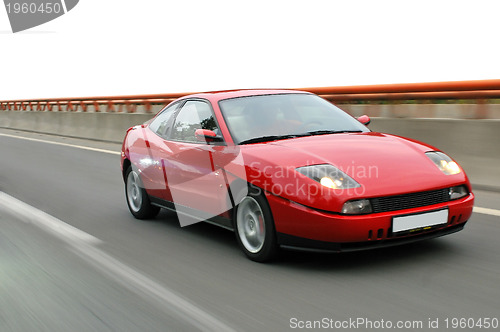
{"x":418,"y":222}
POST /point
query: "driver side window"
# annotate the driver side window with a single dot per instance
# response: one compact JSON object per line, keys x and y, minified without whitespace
{"x":193,"y":115}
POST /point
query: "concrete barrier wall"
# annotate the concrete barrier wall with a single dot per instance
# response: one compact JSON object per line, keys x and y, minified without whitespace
{"x":99,"y":126}
{"x":475,"y":144}
{"x":449,"y":111}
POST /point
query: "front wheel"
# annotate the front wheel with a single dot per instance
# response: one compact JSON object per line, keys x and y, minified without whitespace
{"x":137,"y":198}
{"x":254,"y":228}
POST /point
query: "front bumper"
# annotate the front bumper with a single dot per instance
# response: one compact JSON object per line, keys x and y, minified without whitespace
{"x":299,"y":226}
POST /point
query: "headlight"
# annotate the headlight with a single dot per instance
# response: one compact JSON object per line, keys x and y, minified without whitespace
{"x":458,"y":192}
{"x":359,"y":206}
{"x":329,"y":176}
{"x":443,"y":162}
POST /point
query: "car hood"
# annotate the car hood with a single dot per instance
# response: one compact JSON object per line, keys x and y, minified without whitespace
{"x":382,"y":164}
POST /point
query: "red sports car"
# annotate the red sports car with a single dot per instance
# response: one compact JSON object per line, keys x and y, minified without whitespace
{"x":289,"y":169}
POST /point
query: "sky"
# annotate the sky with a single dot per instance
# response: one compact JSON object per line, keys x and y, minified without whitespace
{"x":122,"y":47}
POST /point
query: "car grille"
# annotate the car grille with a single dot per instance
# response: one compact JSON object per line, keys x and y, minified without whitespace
{"x":409,"y":201}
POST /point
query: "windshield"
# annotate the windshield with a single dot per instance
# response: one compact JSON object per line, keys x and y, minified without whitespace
{"x":270,"y":117}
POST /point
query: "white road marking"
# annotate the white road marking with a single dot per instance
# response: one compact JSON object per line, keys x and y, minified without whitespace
{"x":84,"y":245}
{"x":141,"y":284}
{"x":46,"y":222}
{"x":62,"y":144}
{"x":491,"y":212}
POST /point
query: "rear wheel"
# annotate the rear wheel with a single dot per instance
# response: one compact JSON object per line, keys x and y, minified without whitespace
{"x":137,"y":199}
{"x":254,"y":227}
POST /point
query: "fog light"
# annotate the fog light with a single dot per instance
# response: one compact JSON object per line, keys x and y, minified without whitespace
{"x":458,"y":192}
{"x":360,"y":206}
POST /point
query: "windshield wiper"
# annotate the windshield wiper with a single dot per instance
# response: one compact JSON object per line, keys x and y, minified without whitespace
{"x":326,"y":132}
{"x":309,"y":133}
{"x":269,"y":138}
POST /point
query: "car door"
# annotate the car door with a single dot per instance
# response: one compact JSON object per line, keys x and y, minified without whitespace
{"x":197,"y":185}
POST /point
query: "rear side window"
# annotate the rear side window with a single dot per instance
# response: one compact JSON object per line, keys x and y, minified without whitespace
{"x":193,"y":115}
{"x":162,"y":122}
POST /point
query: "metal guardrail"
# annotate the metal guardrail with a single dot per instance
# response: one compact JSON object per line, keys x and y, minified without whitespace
{"x":479,"y":90}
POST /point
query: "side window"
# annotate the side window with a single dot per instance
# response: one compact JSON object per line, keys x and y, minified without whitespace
{"x":162,"y":122}
{"x":193,"y":115}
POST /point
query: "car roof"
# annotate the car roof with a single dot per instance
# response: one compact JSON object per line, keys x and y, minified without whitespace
{"x":216,"y":96}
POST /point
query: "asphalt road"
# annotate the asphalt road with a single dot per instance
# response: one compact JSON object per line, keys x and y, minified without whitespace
{"x":110,"y":272}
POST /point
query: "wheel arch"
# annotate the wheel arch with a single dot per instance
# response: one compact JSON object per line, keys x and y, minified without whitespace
{"x":126,"y":164}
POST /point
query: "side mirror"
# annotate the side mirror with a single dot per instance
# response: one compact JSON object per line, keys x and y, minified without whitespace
{"x":364,"y":119}
{"x":208,"y":136}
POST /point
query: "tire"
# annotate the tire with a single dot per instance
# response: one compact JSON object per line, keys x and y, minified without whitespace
{"x":254,"y":227}
{"x":137,"y":199}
